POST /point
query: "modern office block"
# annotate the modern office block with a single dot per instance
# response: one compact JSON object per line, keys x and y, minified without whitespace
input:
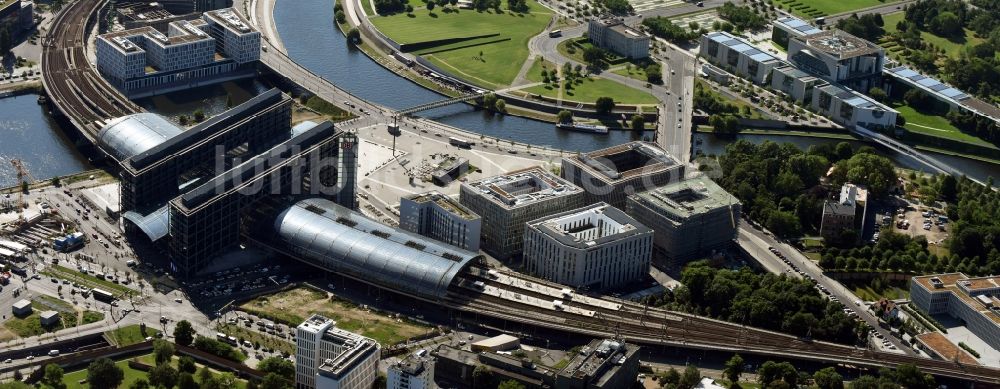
{"x":795,"y":83}
{"x":611,"y":174}
{"x":327,"y":357}
{"x":220,"y":46}
{"x":850,"y":108}
{"x":440,"y":217}
{"x":612,"y":34}
{"x":973,"y":300}
{"x":594,"y":247}
{"x":838,"y":57}
{"x":506,"y":202}
{"x":787,"y":27}
{"x":738,"y":56}
{"x":690,"y":218}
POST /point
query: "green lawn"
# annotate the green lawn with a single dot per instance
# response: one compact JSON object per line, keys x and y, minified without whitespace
{"x":953,"y":48}
{"x":935,"y":125}
{"x":69,"y":317}
{"x":816,"y":8}
{"x":590,"y":88}
{"x":130,"y":335}
{"x":535,"y":73}
{"x":635,"y":73}
{"x":500,"y":60}
{"x":871,"y":292}
{"x":367,"y":5}
{"x":73,"y":379}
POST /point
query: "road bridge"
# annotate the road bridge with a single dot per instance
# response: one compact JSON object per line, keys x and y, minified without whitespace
{"x":902,"y":149}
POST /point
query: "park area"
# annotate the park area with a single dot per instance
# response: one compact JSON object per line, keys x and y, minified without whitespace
{"x":77,"y":379}
{"x":953,"y":47}
{"x":933,"y":124}
{"x":583,"y":89}
{"x":31,"y":325}
{"x":291,"y":307}
{"x":819,"y":8}
{"x":483,"y":48}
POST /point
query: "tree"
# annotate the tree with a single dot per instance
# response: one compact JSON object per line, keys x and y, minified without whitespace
{"x":948,"y":188}
{"x":53,"y":377}
{"x":204,"y":374}
{"x":186,"y":365}
{"x":604,"y":105}
{"x":510,"y":384}
{"x":594,"y":56}
{"x":771,"y":371}
{"x":5,"y":41}
{"x":186,"y":381}
{"x":654,"y":73}
{"x":280,"y":366}
{"x":733,"y":368}
{"x":947,"y":24}
{"x":341,"y":18}
{"x":183,"y":333}
{"x":163,"y":351}
{"x":56,"y":181}
{"x":828,"y":378}
{"x":671,"y":376}
{"x":199,"y":115}
{"x":878,"y":94}
{"x":490,"y":101}
{"x":163,"y":375}
{"x":482,"y":377}
{"x":638,"y":123}
{"x":275,"y":381}
{"x":500,"y":106}
{"x":354,"y":36}
{"x":565,"y":116}
{"x":690,"y":378}
{"x":140,"y":384}
{"x":103,"y":373}
{"x":430,"y":6}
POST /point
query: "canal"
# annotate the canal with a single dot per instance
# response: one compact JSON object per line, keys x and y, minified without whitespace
{"x":29,"y":133}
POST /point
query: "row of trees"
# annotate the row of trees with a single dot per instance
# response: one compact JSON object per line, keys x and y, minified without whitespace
{"x":743,"y":17}
{"x":662,"y":27}
{"x":768,"y":301}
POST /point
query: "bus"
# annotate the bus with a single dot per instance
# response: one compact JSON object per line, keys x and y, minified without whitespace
{"x":555,"y":33}
{"x":459,"y":142}
{"x":102,"y":295}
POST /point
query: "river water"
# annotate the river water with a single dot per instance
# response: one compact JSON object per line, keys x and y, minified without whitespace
{"x":312,"y":39}
{"x":29,"y":133}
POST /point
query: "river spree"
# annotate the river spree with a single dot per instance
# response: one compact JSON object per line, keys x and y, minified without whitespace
{"x":28,"y":133}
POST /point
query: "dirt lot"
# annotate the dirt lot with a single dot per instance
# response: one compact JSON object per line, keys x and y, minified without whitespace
{"x":936,"y":235}
{"x":293,"y":306}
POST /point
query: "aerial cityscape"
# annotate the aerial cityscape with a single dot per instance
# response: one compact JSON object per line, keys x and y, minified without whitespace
{"x":512,"y":194}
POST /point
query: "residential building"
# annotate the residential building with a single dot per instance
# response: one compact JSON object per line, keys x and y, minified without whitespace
{"x":690,"y":219}
{"x":973,"y":300}
{"x":595,"y":247}
{"x":845,"y":213}
{"x":440,"y":217}
{"x":218,"y":47}
{"x":506,"y":202}
{"x":612,"y":34}
{"x":849,"y":108}
{"x":838,"y":57}
{"x":611,"y":174}
{"x":885,"y":309}
{"x":328,"y":357}
{"x":416,"y":371}
{"x":738,"y":56}
{"x":787,"y":27}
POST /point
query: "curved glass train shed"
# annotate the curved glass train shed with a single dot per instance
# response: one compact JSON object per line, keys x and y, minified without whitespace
{"x":347,"y":242}
{"x":130,"y":135}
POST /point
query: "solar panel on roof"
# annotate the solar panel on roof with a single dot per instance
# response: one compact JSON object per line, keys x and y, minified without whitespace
{"x":938,"y":87}
{"x":857,"y":101}
{"x":742,"y":47}
{"x":952,"y":92}
{"x":927,"y":81}
{"x":761,"y":57}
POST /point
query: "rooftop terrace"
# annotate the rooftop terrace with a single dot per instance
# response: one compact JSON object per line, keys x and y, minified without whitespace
{"x":522,"y":187}
{"x":688,"y":198}
{"x":839,"y":44}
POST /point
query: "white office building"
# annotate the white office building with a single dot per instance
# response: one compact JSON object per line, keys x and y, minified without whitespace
{"x":612,"y":34}
{"x":597,"y":246}
{"x":838,"y":57}
{"x":442,"y":218}
{"x":327,"y":357}
{"x":849,"y":108}
{"x":414,"y":372}
{"x":144,"y":61}
{"x":737,"y":56}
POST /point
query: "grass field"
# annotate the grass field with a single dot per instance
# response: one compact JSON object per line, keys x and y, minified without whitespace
{"x":535,"y":73}
{"x":499,"y":62}
{"x":934,"y":125}
{"x":73,"y":379}
{"x":817,"y":8}
{"x":590,"y":88}
{"x":367,"y":5}
{"x":293,"y":306}
{"x":867,"y":292}
{"x":634,"y":72}
{"x":952,"y":48}
{"x":130,"y":335}
{"x":69,"y":317}
{"x":245,"y":333}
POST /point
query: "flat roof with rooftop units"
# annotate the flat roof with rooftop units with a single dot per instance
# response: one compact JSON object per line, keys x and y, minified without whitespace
{"x":523,"y":187}
{"x":232,"y":20}
{"x":839,"y":44}
{"x":447,"y":203}
{"x":590,"y":226}
{"x":688,"y":198}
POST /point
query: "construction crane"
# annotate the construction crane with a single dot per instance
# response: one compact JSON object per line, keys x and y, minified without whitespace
{"x":24,"y":178}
